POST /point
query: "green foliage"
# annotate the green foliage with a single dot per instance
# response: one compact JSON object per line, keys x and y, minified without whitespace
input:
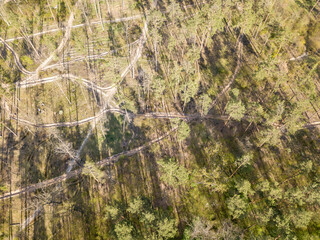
{"x":123,"y":231}
{"x":264,"y":186}
{"x":135,"y":206}
{"x":313,"y":197}
{"x":266,"y":216}
{"x":244,"y":187}
{"x":235,"y":108}
{"x":167,"y":229}
{"x":27,"y":61}
{"x":3,"y":188}
{"x":211,"y":179}
{"x":148,"y":218}
{"x":301,"y":219}
{"x":158,"y":86}
{"x":205,"y":103}
{"x":245,"y":160}
{"x":270,"y":136}
{"x":283,"y":224}
{"x":275,"y":194}
{"x":112,"y":212}
{"x":139,"y":214}
{"x":237,"y":206}
{"x":90,"y":169}
{"x":183,"y":131}
{"x":126,"y":101}
{"x":189,"y":89}
{"x":62,"y":11}
{"x":172,"y":173}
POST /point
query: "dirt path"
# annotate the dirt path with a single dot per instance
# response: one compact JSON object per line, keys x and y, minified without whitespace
{"x":62,"y":44}
{"x":30,"y":82}
{"x":88,"y":83}
{"x":52,"y":55}
{"x":62,"y":124}
{"x":139,"y":50}
{"x":91,"y":57}
{"x":154,"y":115}
{"x":29,"y":220}
{"x":124,"y":19}
{"x":111,"y":89}
{"x":16,"y":58}
{"x":110,"y":160}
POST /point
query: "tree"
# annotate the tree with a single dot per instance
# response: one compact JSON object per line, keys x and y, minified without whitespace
{"x":266,"y":216}
{"x":26,"y":61}
{"x":135,"y":206}
{"x":183,"y":131}
{"x":202,"y":229}
{"x":270,"y":136}
{"x":235,"y":108}
{"x":237,"y":206}
{"x":123,"y":231}
{"x":228,"y":230}
{"x":173,"y":173}
{"x":283,"y":224}
{"x":275,"y":194}
{"x":301,"y":219}
{"x":167,"y":229}
{"x":205,"y":103}
{"x":244,"y":187}
{"x":211,"y":179}
{"x":112,"y":212}
{"x":158,"y":86}
{"x":90,"y":169}
{"x":148,"y":218}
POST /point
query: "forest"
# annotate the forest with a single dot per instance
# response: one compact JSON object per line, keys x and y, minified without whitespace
{"x":160,"y":119}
